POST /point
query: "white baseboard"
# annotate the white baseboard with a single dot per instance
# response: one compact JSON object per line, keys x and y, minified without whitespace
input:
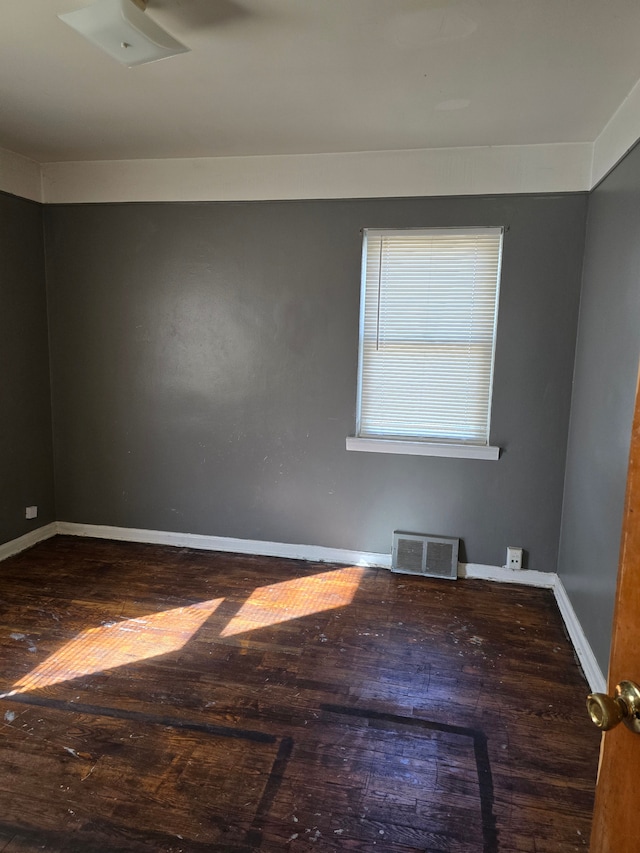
{"x":28,"y":540}
{"x":501,"y":574}
{"x":315,"y":553}
{"x":590,"y":666}
{"x":318,"y":553}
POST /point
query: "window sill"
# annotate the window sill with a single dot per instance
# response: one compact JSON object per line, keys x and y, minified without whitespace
{"x":422,"y":448}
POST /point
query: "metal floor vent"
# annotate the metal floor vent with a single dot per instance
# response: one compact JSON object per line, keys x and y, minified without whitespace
{"x":418,"y":554}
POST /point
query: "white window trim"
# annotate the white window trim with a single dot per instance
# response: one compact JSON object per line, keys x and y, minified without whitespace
{"x":423,"y":448}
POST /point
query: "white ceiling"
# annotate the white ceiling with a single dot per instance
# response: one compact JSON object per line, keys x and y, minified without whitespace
{"x":316,"y":76}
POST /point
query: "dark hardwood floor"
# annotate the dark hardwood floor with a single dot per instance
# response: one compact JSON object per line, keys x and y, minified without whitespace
{"x":161,"y":699}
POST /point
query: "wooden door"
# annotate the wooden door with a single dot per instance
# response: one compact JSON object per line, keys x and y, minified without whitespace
{"x":616,"y":819}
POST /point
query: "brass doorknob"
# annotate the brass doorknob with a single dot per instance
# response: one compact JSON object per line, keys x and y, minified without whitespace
{"x":606,"y":711}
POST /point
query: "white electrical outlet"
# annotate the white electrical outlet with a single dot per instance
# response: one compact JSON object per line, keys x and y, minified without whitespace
{"x":31,"y":512}
{"x":514,"y":557}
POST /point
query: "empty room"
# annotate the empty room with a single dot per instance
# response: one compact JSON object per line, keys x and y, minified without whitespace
{"x":319,"y":435}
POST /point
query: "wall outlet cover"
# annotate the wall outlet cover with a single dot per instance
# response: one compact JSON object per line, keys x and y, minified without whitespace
{"x":514,"y":557}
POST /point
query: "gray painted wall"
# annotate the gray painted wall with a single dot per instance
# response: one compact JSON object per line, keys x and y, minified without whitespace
{"x":204,"y":361}
{"x":26,"y":460}
{"x":607,"y":354}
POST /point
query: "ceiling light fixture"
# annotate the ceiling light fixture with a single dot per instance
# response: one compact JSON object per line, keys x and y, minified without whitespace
{"x":121,"y":29}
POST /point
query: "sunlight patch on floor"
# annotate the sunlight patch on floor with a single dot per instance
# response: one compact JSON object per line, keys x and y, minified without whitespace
{"x":130,"y":641}
{"x":119,"y":644}
{"x":280,"y":602}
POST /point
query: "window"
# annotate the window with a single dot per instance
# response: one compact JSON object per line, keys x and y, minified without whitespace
{"x":427,"y":339}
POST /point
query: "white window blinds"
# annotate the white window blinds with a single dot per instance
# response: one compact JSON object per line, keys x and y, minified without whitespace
{"x":427,"y":336}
